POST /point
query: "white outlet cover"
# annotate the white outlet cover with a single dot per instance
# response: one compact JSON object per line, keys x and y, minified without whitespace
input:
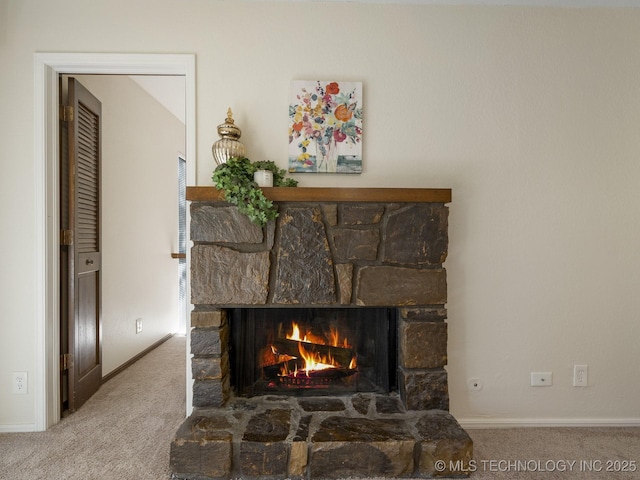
{"x":20,"y":383}
{"x":580,"y":375}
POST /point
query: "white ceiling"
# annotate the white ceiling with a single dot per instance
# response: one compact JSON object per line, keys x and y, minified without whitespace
{"x":168,"y":90}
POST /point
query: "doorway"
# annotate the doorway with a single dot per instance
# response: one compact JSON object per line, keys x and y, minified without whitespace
{"x":48,"y":66}
{"x":138,"y":223}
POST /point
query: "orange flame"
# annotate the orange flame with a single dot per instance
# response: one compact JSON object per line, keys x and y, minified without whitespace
{"x":309,"y":337}
{"x":314,"y":362}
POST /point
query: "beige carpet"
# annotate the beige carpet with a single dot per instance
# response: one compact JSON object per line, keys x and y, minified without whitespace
{"x":124,"y":433}
{"x":557,"y":453}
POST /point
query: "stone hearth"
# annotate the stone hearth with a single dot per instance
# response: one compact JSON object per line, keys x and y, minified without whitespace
{"x":328,"y":248}
{"x":364,"y":435}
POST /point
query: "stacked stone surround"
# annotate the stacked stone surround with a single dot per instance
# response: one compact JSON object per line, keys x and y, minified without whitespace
{"x":318,"y":253}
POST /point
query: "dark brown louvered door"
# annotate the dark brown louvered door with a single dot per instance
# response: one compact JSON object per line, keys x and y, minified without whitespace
{"x":84,"y":260}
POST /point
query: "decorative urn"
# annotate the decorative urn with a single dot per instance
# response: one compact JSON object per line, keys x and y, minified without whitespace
{"x":228,"y":145}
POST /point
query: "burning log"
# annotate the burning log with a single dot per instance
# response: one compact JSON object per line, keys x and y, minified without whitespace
{"x":341,"y":356}
{"x":308,"y":360}
{"x":316,"y":378}
{"x":271,"y":356}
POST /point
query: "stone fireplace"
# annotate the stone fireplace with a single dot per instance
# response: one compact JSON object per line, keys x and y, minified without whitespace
{"x":368,"y":262}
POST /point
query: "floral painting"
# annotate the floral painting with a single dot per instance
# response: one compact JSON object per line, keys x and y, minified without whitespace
{"x":325,"y":127}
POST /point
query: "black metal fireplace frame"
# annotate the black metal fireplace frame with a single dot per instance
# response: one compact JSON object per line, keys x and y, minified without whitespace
{"x":375,"y":330}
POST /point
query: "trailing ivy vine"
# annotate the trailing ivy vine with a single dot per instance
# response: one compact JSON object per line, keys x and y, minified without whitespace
{"x":235,"y":179}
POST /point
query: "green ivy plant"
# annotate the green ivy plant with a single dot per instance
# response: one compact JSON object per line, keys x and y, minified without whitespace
{"x":235,"y":179}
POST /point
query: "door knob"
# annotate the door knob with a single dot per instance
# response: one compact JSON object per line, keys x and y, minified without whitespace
{"x":89,"y":261}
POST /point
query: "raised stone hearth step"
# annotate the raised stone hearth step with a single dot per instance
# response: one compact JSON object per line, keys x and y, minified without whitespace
{"x":366,"y":435}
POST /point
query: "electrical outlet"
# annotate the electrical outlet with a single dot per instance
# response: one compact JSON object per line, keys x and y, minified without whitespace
{"x":580,"y":375}
{"x":138,"y":325}
{"x":20,"y":383}
{"x":541,"y":379}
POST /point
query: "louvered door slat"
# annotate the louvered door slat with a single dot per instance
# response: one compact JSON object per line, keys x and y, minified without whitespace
{"x":87,"y":181}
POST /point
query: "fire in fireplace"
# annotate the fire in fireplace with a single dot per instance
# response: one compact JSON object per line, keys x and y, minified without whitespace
{"x":308,"y":359}
{"x":313,"y":351}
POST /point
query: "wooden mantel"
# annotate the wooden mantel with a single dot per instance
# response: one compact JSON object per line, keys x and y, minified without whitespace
{"x":318,"y":194}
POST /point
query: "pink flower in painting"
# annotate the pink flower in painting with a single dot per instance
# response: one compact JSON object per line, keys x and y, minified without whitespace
{"x":308,"y":130}
{"x":339,"y":136}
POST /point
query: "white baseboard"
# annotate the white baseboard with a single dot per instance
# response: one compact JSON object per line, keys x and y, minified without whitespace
{"x":467,"y":423}
{"x":488,"y":423}
{"x":20,"y":427}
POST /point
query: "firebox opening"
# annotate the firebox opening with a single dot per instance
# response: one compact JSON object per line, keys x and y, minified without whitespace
{"x":313,"y":351}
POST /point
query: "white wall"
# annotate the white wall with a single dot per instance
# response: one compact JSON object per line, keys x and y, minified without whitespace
{"x":530,"y":115}
{"x":141,"y":142}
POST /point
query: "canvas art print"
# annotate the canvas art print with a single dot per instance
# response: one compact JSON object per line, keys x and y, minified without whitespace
{"x":325,"y":127}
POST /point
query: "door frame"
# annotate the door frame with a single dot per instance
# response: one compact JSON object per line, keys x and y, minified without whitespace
{"x":47,"y":68}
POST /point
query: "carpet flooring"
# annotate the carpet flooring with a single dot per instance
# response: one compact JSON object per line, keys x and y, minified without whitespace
{"x":124,"y":432}
{"x":557,"y":453}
